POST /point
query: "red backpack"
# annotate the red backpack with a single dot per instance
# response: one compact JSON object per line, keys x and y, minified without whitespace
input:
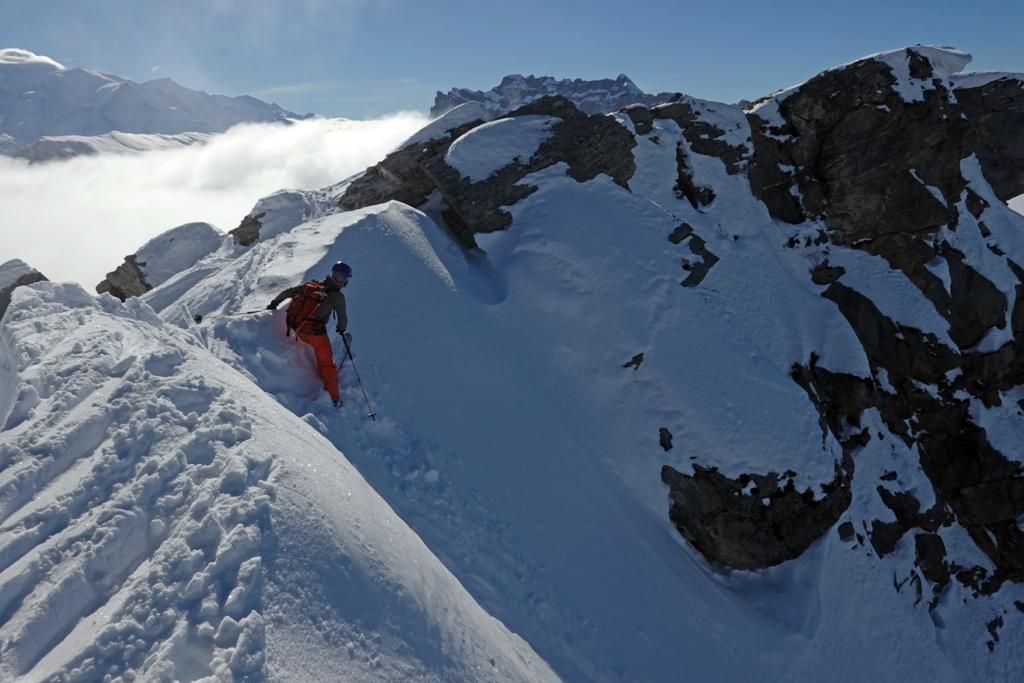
{"x":303,"y":305}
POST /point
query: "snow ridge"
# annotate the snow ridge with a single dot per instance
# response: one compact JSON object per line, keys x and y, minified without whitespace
{"x":154,"y":519}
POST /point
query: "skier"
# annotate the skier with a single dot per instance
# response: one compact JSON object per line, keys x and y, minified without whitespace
{"x":309,"y":312}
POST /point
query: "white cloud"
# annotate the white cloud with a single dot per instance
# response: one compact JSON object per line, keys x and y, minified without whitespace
{"x":77,"y":219}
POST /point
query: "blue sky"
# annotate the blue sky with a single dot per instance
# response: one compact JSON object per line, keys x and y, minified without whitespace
{"x":363,"y":58}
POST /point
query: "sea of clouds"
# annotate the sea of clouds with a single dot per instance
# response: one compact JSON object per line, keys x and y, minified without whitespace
{"x":77,"y":219}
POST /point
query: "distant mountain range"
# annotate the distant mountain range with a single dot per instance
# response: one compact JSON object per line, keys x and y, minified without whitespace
{"x":40,"y":98}
{"x":593,"y":97}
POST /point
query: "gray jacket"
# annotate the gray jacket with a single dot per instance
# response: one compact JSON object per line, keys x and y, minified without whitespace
{"x":334,"y":303}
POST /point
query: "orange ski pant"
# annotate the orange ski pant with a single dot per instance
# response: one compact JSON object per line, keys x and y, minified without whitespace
{"x":321,"y":344}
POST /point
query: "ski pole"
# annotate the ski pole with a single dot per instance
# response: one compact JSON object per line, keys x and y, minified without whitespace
{"x":348,"y":351}
{"x":199,"y":318}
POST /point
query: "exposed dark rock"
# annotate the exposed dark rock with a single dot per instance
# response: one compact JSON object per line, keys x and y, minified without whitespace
{"x":665,"y":438}
{"x":30,"y":277}
{"x":870,"y":164}
{"x":400,"y":176}
{"x":931,"y":558}
{"x":993,"y":630}
{"x":984,"y":490}
{"x":127,"y":280}
{"x":635,"y":362}
{"x":888,"y":476}
{"x":641,"y":117}
{"x":976,"y":205}
{"x":978,"y":579}
{"x":248,"y":231}
{"x":995,"y":117}
{"x":1019,"y":605}
{"x":588,"y":145}
{"x":682,"y":231}
{"x":845,"y":531}
{"x":702,"y":135}
{"x":824,"y":274}
{"x":756,"y":527}
{"x":698,"y":195}
{"x":901,"y":351}
{"x":907,"y":509}
{"x":700,"y":270}
{"x":976,"y":305}
{"x":864,"y":155}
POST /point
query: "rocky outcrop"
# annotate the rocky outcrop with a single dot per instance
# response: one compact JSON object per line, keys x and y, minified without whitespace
{"x":127,"y":280}
{"x":14,"y":274}
{"x":593,"y":97}
{"x":753,"y":521}
{"x":248,"y":231}
{"x":882,"y":168}
{"x":874,"y":152}
{"x":161,"y":258}
{"x":587,"y":144}
{"x":995,"y":116}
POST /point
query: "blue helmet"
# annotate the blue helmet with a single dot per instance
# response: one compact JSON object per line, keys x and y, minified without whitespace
{"x":341,"y":272}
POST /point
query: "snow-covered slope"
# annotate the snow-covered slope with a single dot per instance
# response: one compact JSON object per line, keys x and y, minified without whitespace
{"x":164,"y":518}
{"x":41,"y":98}
{"x":669,"y":419}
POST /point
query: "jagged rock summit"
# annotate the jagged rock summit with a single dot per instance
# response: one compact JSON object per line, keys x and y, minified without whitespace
{"x":41,"y":98}
{"x":594,"y":96}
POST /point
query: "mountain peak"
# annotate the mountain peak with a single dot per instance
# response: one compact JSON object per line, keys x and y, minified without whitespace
{"x":515,"y":90}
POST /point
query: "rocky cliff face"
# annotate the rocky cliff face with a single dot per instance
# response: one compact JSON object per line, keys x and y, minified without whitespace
{"x":903,"y":177}
{"x":894,"y":157}
{"x":514,"y":91}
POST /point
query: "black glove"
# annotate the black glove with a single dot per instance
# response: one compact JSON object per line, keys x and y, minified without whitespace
{"x":271,"y":306}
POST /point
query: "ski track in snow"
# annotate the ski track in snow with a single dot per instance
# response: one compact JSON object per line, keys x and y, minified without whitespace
{"x":151,"y":527}
{"x":148,"y":502}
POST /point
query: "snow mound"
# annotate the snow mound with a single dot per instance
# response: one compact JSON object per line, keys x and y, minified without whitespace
{"x":168,"y":254}
{"x":945,"y":62}
{"x":488,"y":148}
{"x":163,"y":518}
{"x":453,"y":118}
{"x":13,"y":55}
